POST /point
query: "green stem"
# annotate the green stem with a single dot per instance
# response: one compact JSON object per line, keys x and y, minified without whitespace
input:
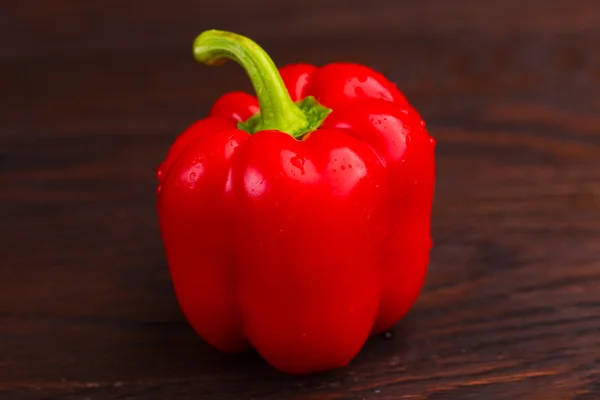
{"x":277,"y":110}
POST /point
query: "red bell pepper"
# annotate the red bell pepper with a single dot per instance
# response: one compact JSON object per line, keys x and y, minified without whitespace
{"x":302,"y":227}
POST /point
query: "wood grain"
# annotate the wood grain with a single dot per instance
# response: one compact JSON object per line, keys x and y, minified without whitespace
{"x":93,"y":93}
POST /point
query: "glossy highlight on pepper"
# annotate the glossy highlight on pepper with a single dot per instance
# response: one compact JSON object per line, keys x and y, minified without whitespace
{"x":297,"y":222}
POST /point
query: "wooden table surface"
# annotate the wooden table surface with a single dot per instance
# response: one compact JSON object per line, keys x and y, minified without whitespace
{"x":93,"y":93}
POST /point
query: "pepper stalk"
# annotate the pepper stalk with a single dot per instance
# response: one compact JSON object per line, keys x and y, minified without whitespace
{"x":277,"y":109}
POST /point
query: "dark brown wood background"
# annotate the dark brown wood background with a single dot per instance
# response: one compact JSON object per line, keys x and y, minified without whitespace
{"x":92,"y":93}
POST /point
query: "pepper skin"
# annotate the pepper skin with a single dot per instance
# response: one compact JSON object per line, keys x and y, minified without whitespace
{"x":304,"y":228}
